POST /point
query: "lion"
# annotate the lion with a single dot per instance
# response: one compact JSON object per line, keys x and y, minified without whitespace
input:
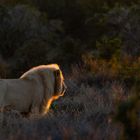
{"x":34,"y":91}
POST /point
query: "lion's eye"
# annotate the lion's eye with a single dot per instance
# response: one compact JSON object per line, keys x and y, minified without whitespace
{"x":65,"y":87}
{"x":57,"y":73}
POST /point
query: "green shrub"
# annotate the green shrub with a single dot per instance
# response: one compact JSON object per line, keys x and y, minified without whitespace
{"x":109,"y":47}
{"x":129,"y":115}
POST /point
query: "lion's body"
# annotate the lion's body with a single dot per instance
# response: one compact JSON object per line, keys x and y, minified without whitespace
{"x":19,"y":90}
{"x":32,"y":92}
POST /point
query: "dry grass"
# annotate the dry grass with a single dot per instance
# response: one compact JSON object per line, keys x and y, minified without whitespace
{"x":85,"y":112}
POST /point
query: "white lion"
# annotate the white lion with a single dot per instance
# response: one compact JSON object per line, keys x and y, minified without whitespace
{"x":34,"y":91}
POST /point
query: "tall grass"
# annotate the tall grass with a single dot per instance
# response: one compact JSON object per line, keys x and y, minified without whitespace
{"x":85,"y":112}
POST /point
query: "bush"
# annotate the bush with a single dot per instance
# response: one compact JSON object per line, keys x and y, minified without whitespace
{"x":129,"y":115}
{"x":108,"y":48}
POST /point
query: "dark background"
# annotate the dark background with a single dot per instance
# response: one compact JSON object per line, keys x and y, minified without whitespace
{"x":97,"y":45}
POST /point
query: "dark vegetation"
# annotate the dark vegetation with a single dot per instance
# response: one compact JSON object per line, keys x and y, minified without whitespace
{"x":97,"y":45}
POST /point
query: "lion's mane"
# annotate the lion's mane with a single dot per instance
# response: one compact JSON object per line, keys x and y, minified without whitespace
{"x":34,"y":91}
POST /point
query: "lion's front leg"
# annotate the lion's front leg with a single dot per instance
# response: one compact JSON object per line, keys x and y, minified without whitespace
{"x":1,"y":109}
{"x":34,"y":112}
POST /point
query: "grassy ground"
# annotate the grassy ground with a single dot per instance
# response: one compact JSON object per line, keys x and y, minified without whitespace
{"x":86,"y":111}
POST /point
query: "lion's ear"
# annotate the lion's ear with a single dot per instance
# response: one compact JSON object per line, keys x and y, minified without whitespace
{"x":57,"y":73}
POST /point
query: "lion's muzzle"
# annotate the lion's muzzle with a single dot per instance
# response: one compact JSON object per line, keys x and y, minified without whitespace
{"x":63,"y":89}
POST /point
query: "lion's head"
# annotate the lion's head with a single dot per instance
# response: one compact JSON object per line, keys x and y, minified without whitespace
{"x":51,"y":77}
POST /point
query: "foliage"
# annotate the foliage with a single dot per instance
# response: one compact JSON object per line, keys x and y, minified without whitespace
{"x":108,"y":48}
{"x":18,"y":25}
{"x":128,"y":114}
{"x":124,"y":68}
{"x":97,"y":44}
